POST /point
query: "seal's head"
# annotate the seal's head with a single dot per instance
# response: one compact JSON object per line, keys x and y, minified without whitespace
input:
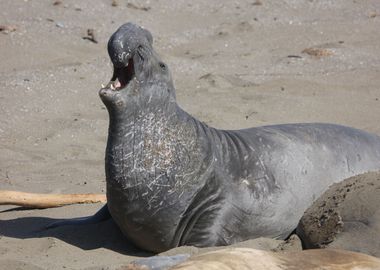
{"x":140,"y":78}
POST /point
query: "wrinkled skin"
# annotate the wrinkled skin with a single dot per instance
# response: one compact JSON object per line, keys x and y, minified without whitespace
{"x":172,"y":180}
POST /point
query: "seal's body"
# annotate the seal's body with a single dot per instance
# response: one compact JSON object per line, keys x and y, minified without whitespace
{"x":172,"y":180}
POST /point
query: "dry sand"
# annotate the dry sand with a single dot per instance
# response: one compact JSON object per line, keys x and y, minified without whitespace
{"x":235,"y":64}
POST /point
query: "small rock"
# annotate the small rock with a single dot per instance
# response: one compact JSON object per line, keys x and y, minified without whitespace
{"x":257,"y":3}
{"x":294,"y":56}
{"x":6,"y":28}
{"x":91,"y":35}
{"x":318,"y":52}
{"x":133,"y":6}
{"x":372,"y":15}
{"x":60,"y":25}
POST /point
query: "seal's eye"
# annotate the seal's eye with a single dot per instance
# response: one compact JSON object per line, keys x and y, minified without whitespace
{"x":162,"y":66}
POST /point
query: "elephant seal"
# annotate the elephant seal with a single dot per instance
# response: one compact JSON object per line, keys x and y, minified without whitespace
{"x":173,"y":180}
{"x":248,"y":258}
{"x":346,"y":216}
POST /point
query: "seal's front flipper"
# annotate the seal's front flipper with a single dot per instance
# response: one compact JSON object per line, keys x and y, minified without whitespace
{"x":99,"y":216}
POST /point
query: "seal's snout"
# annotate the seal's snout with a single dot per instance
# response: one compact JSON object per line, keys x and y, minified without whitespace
{"x":123,"y":47}
{"x":125,"y":41}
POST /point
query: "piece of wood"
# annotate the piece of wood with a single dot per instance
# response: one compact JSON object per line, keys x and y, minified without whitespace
{"x":37,"y":200}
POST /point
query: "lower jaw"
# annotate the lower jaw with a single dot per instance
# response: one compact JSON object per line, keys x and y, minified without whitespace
{"x":105,"y":92}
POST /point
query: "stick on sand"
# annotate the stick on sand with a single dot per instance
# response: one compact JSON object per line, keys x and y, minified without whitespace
{"x":37,"y":200}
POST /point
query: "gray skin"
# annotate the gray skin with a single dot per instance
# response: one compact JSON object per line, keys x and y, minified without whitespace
{"x":173,"y":180}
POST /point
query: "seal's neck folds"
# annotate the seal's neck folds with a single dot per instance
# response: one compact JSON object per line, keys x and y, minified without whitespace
{"x":153,"y":148}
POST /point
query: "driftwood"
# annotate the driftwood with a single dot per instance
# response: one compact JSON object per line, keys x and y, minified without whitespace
{"x":37,"y":200}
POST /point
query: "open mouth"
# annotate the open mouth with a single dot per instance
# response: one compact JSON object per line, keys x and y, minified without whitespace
{"x":121,"y":76}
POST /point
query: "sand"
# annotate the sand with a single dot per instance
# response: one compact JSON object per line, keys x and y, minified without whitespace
{"x":235,"y":64}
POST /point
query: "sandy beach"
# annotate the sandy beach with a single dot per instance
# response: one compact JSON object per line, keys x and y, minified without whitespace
{"x":235,"y":64}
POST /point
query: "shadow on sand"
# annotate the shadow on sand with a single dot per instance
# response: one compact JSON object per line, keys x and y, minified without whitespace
{"x":105,"y":234}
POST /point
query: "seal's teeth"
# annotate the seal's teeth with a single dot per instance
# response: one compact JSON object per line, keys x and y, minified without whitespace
{"x":112,"y":86}
{"x":109,"y":84}
{"x":103,"y":86}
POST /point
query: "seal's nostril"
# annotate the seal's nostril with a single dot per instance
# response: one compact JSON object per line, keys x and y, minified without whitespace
{"x":162,"y":66}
